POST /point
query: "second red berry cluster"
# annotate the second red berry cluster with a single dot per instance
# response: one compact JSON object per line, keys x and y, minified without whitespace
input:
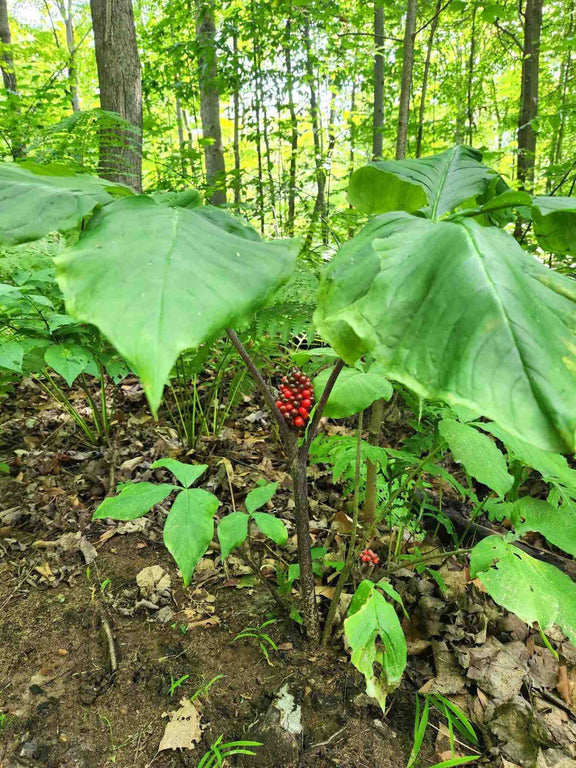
{"x":368,"y":556}
{"x":297,"y":398}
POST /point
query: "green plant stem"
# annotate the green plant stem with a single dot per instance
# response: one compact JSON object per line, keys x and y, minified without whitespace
{"x":54,"y":391}
{"x":427,"y":559}
{"x":103,"y":404}
{"x":349,"y":562}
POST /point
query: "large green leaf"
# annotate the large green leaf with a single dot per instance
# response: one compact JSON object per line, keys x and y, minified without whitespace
{"x":479,"y":454}
{"x":272,"y":527}
{"x":461,"y":313}
{"x":189,"y":528}
{"x":552,"y":466}
{"x":232,"y":531}
{"x":557,"y":525}
{"x":69,"y":360}
{"x":555,"y":224}
{"x":530,"y":588}
{"x":157,"y":280}
{"x":353,"y":391}
{"x":260,"y":496}
{"x":374,"y":189}
{"x":11,"y":355}
{"x":447,"y":179}
{"x":133,"y":501}
{"x":33,"y":205}
{"x":375,"y":637}
{"x":187,"y":474}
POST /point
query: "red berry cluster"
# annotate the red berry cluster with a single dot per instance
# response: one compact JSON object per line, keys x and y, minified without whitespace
{"x":297,"y":398}
{"x":368,"y":556}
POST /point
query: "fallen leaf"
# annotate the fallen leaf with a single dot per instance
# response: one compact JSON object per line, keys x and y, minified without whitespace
{"x":183,"y":730}
{"x":45,"y":570}
{"x":129,"y":464}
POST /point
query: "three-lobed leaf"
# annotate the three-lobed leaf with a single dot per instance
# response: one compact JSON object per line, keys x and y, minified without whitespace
{"x":34,"y":204}
{"x":461,"y":313}
{"x":157,"y":280}
{"x":443,"y":181}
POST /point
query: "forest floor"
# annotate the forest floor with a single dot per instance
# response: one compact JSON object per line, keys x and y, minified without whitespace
{"x":96,"y":651}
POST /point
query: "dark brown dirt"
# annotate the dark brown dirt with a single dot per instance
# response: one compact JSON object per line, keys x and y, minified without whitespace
{"x":60,"y":705}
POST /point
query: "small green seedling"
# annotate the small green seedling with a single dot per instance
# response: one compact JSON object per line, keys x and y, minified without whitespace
{"x":457,"y":721}
{"x":189,"y":527}
{"x":204,"y":690}
{"x":174,"y":684}
{"x":219,"y":752}
{"x":262,"y":639}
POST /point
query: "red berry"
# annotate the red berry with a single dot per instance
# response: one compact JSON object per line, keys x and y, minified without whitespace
{"x":299,"y":422}
{"x":288,"y":393}
{"x":375,"y":560}
{"x":306,"y":403}
{"x":303,"y":412}
{"x":306,"y":393}
{"x":278,"y":403}
{"x":365,"y":559}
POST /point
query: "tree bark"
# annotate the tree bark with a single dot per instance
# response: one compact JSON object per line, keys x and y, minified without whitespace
{"x":65,"y":8}
{"x":17,"y":146}
{"x":425,"y":76}
{"x":529,"y":94}
{"x":293,"y":133}
{"x":120,"y":90}
{"x":237,"y":163}
{"x":210,"y":101}
{"x":470,"y":83}
{"x":378,"y":114}
{"x":406,"y":84}
{"x":319,"y":210}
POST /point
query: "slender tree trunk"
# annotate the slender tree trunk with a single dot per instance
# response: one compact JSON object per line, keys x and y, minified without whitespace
{"x":319,"y":210}
{"x":529,"y":94}
{"x":190,"y":137}
{"x":425,"y":76}
{"x":564,"y":81}
{"x":210,"y":101}
{"x":65,"y":8}
{"x":293,"y":133}
{"x":269,"y":168}
{"x":258,"y":139}
{"x":17,"y":146}
{"x":120,"y":89}
{"x":470,"y":83}
{"x":406,"y":84}
{"x":378,"y":115}
{"x":352,"y":147}
{"x":237,"y":164}
{"x":181,"y":138}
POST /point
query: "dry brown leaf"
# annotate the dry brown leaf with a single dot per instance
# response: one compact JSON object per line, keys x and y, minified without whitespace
{"x":130,"y":464}
{"x":563,"y":684}
{"x":211,"y":621}
{"x":327,"y":592}
{"x":46,"y":571}
{"x":183,"y":730}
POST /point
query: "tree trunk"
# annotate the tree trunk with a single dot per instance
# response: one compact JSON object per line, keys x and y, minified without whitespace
{"x":237,"y":163}
{"x":181,"y":138}
{"x":470,"y":83}
{"x":319,"y":210}
{"x":378,"y":115}
{"x":406,"y":85}
{"x":17,"y":147}
{"x":120,"y":90}
{"x":210,"y":101}
{"x":65,"y":8}
{"x":425,"y":76}
{"x":293,"y":133}
{"x":529,"y":94}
